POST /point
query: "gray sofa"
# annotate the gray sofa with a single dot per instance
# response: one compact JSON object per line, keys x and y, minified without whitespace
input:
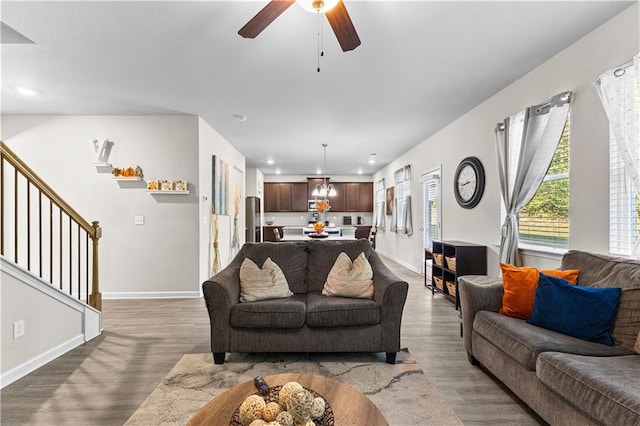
{"x":566,"y":380}
{"x":306,"y":321}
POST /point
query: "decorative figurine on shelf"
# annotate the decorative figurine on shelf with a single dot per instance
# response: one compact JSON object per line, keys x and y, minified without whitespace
{"x":152,"y":185}
{"x":139,"y":171}
{"x":116,"y":172}
{"x":181,"y":185}
{"x":166,"y":185}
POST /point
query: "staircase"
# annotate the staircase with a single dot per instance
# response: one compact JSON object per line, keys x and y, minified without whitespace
{"x":49,"y":266}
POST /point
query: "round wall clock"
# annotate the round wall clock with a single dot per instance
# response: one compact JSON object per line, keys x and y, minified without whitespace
{"x":468,"y":183}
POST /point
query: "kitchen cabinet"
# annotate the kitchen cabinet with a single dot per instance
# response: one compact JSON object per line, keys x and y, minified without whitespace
{"x":362,"y":231}
{"x":359,"y":197}
{"x":267,"y":232}
{"x":285,"y":197}
{"x":299,"y":197}
{"x":339,"y":201}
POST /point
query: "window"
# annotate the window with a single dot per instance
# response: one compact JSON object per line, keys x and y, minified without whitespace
{"x":430,"y":208}
{"x":619,"y":91}
{"x":544,"y":220}
{"x":623,"y":207}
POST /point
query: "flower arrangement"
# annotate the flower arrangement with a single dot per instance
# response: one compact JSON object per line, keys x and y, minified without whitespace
{"x":323,"y":206}
{"x":318,"y":227}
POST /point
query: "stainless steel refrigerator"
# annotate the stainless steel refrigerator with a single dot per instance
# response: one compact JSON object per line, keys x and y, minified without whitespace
{"x":253,"y":214}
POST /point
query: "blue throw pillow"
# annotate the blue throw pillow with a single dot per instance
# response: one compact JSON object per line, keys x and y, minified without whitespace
{"x":584,"y":312}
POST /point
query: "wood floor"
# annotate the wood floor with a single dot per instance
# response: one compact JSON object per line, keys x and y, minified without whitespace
{"x":104,"y":381}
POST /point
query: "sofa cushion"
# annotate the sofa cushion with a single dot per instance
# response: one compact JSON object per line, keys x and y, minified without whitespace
{"x":291,"y":257}
{"x":273,"y":313}
{"x":260,"y":283}
{"x":520,"y":285}
{"x":584,"y":312}
{"x":598,"y":270}
{"x":524,"y":342}
{"x":331,"y":311}
{"x":350,"y":279}
{"x":606,"y":388}
{"x":323,"y":254}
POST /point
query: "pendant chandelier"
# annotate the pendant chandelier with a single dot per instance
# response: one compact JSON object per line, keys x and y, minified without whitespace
{"x":325,"y":190}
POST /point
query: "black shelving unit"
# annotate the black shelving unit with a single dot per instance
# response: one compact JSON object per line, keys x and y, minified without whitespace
{"x":471,"y":259}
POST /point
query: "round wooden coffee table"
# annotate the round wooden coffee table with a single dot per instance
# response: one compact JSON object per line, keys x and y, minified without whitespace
{"x":350,"y":406}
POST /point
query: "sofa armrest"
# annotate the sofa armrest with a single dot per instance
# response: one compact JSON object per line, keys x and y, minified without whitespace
{"x":391,"y":294}
{"x":477,"y":293}
{"x":221,"y":293}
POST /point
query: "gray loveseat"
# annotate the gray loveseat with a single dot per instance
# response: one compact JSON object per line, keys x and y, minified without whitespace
{"x":306,"y":321}
{"x":567,"y":381}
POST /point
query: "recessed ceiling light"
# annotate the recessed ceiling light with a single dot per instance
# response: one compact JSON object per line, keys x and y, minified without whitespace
{"x":240,"y":117}
{"x":278,"y":171}
{"x":318,"y":171}
{"x":372,"y":158}
{"x":270,"y":161}
{"x":26,"y":91}
{"x":359,"y":171}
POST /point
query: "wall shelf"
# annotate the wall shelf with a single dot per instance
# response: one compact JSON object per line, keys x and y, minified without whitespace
{"x":128,"y":179}
{"x":167,"y":192}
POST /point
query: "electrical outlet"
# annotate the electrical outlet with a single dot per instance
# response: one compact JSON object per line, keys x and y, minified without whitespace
{"x":18,"y":329}
{"x":138,"y":220}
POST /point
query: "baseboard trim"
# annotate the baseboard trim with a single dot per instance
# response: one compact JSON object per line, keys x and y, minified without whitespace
{"x":401,"y":262}
{"x":44,"y":358}
{"x":151,"y":295}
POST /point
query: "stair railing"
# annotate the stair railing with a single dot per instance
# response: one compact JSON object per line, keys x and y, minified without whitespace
{"x":44,"y":234}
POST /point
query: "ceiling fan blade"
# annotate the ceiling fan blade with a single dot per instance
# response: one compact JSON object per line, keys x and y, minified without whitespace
{"x":263,"y":18}
{"x":343,"y":27}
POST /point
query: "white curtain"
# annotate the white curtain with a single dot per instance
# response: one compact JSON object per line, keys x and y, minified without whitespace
{"x":401,"y":219}
{"x":619,"y":91}
{"x":378,"y":213}
{"x":526,"y":143}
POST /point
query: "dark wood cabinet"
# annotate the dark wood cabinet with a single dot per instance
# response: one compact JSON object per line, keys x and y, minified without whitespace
{"x":365,"y":197}
{"x":269,"y":235}
{"x":363,"y":231}
{"x":453,"y":259}
{"x":338,"y":202}
{"x":299,"y":197}
{"x":359,"y":197}
{"x":285,"y":197}
{"x":354,"y":197}
{"x":271,"y":197}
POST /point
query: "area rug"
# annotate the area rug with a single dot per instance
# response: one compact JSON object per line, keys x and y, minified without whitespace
{"x":401,"y":391}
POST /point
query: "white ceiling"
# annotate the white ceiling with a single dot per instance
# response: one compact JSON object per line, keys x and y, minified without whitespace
{"x":421,"y":65}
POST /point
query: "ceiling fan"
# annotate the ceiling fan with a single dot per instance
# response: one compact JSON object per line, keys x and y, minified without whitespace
{"x":335,"y":11}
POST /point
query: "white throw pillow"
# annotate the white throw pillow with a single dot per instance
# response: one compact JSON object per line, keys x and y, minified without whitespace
{"x":260,"y":284}
{"x":349,"y":279}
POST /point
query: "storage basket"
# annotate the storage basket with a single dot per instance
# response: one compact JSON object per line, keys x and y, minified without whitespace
{"x":438,"y":258}
{"x":451,"y":287}
{"x":451,"y":262}
{"x":439,"y":283}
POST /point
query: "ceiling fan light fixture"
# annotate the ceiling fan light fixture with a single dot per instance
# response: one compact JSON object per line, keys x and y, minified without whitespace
{"x":317,"y":6}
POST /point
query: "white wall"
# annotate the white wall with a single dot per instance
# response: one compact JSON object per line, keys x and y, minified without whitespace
{"x":212,"y":143}
{"x":574,"y":69}
{"x":159,"y":258}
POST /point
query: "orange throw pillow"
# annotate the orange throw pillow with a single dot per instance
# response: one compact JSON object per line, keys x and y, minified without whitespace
{"x":520,"y":284}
